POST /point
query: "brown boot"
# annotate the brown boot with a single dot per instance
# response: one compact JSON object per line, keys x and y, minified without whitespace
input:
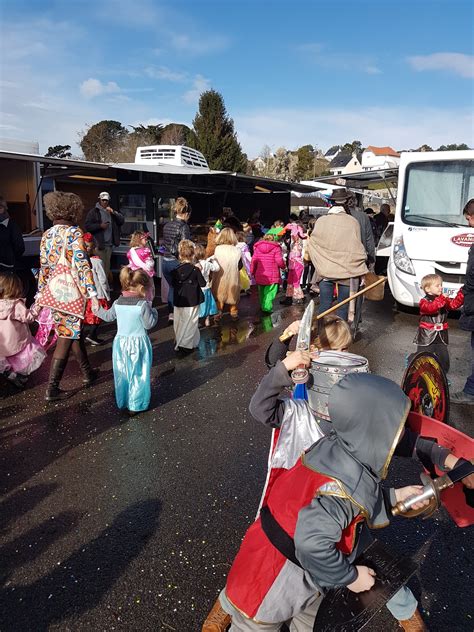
{"x":217,"y":620}
{"x":414,"y":624}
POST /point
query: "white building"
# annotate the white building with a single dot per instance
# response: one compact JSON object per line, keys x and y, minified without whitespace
{"x":345,"y":162}
{"x":379,"y":158}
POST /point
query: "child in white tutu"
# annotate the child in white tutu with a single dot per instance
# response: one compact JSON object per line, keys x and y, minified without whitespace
{"x":20,"y":352}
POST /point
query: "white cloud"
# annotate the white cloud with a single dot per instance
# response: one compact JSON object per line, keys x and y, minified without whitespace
{"x":199,"y":44}
{"x":91,"y":88}
{"x":165,"y":74}
{"x":200,"y":85}
{"x":399,"y":127}
{"x":139,"y":13}
{"x":457,"y":63}
{"x":316,"y":53}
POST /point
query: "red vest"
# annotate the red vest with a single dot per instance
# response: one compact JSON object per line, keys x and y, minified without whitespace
{"x":258,"y":562}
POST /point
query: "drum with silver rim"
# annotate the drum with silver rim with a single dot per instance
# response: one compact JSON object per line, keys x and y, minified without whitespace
{"x":326,"y":371}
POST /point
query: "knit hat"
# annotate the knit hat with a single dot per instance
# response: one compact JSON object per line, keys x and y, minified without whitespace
{"x":88,"y":238}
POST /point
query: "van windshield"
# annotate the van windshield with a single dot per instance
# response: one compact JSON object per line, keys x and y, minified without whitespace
{"x":436,"y":192}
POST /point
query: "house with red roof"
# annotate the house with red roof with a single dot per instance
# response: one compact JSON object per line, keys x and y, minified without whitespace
{"x":379,"y":158}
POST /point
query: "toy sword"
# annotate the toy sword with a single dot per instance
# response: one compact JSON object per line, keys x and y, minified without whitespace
{"x":286,"y":336}
{"x":432,"y":489}
{"x":300,"y":375}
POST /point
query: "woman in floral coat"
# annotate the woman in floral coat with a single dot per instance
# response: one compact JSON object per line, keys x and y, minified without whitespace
{"x":65,"y":211}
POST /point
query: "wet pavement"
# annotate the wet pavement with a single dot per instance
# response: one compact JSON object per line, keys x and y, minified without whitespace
{"x":111,"y":523}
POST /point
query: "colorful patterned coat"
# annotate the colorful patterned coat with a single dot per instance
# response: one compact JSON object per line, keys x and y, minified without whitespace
{"x":67,"y":326}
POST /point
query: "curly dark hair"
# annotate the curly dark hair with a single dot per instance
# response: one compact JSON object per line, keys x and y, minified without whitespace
{"x":62,"y":205}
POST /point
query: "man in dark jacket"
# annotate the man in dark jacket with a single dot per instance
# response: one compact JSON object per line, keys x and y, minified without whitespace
{"x":104,"y":223}
{"x":174,"y":232}
{"x":466,"y":322}
{"x":381,"y":221}
{"x":366,"y":233}
{"x":12,"y":245}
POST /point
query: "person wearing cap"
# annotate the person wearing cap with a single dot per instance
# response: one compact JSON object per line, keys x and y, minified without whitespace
{"x":337,"y":253}
{"x":104,"y":223}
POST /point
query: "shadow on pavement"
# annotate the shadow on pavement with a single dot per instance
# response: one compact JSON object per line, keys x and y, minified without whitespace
{"x":32,"y":544}
{"x":23,"y":501}
{"x":29,"y":446}
{"x":82,"y":580}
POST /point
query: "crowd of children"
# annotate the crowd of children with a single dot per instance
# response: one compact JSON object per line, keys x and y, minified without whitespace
{"x":205,"y":280}
{"x":326,"y":499}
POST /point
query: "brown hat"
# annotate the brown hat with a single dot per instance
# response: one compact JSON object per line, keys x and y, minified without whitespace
{"x":340,"y":196}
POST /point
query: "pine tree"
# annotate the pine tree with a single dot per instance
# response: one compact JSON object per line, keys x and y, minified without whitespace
{"x":214,"y":135}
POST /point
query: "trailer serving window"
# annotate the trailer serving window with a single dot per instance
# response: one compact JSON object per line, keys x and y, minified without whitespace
{"x":436,"y":192}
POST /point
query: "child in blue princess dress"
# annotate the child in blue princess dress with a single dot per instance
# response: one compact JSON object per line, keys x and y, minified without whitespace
{"x":131,"y":351}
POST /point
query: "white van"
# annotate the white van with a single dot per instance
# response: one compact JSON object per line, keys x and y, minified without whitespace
{"x":430,"y":234}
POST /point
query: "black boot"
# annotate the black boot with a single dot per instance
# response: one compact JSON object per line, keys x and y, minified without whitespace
{"x":53,"y":392}
{"x":89,"y":375}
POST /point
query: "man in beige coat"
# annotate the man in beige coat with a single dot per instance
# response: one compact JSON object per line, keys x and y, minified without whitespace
{"x":337,"y":253}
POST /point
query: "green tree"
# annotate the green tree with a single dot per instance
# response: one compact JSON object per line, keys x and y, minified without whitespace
{"x":146,"y":134}
{"x":305,"y":167}
{"x":103,"y":141}
{"x":453,"y":147}
{"x":213,"y":134}
{"x":59,"y":151}
{"x":355,"y":146}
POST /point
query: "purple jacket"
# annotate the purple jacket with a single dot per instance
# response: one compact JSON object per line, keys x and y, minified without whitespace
{"x":266,"y":262}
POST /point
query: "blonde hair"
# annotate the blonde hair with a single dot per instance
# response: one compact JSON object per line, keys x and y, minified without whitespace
{"x":334,"y":333}
{"x":186,"y":250}
{"x":268,"y":237}
{"x":199,"y":252}
{"x":182,"y":206}
{"x":136,"y":280}
{"x":10,"y":286}
{"x":226,"y":237}
{"x":428,"y":280}
{"x":136,"y":238}
{"x":61,"y":205}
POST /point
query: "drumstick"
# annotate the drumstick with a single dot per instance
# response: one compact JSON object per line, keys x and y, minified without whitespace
{"x":286,"y":336}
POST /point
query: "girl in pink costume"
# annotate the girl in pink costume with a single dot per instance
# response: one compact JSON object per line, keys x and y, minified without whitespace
{"x":20,"y":352}
{"x":46,"y":334}
{"x":294,"y":293}
{"x":140,"y":257}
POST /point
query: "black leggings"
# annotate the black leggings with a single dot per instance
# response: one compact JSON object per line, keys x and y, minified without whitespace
{"x":78,"y":347}
{"x":307,"y":273}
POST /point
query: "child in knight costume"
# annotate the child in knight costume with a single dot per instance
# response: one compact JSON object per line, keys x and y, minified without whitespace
{"x":306,"y":420}
{"x":314,"y":519}
{"x":432,"y":334}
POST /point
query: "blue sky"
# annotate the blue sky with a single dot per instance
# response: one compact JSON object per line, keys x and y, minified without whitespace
{"x":291,"y":73}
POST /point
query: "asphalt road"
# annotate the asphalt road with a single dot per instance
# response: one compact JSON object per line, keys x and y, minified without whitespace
{"x":110,"y":523}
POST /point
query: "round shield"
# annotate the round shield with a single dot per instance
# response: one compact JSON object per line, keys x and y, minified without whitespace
{"x":426,"y":385}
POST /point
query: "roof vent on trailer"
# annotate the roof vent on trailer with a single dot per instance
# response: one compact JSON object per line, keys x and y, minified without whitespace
{"x":177,"y":155}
